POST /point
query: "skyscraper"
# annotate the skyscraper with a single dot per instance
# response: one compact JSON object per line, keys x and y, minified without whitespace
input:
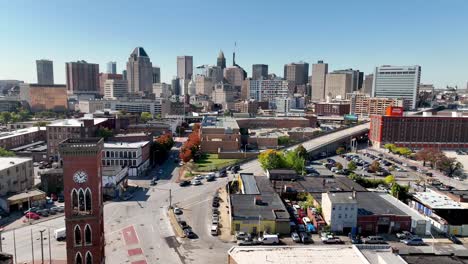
{"x":234,"y":75}
{"x":156,"y":75}
{"x":397,"y":82}
{"x":297,"y":72}
{"x":259,"y":71}
{"x":45,"y":72}
{"x":103,"y":77}
{"x":82,"y":77}
{"x":221,"y":61}
{"x":139,"y":72}
{"x":112,"y":67}
{"x":337,"y":85}
{"x":367,"y":86}
{"x":184,"y":67}
{"x":356,"y":77}
{"x":319,"y":72}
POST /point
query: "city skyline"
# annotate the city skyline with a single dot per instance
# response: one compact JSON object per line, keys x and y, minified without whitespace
{"x":413,"y":39}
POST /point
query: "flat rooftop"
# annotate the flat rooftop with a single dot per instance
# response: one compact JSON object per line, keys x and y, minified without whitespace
{"x":19,"y":132}
{"x":371,"y":203}
{"x":436,"y":200}
{"x":297,"y":255}
{"x":215,"y":122}
{"x":75,"y":122}
{"x":7,"y":162}
{"x":126,"y":145}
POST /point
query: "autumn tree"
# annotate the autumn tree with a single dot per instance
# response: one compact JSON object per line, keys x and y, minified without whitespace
{"x":424,"y":155}
{"x":339,"y":166}
{"x":271,"y":159}
{"x":449,"y":165}
{"x":301,"y":151}
{"x":375,"y":166}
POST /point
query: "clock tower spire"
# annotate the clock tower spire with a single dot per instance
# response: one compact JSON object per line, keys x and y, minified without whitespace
{"x":82,"y":182}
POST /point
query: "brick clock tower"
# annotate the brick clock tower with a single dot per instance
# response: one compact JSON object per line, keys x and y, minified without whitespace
{"x":83,"y":200}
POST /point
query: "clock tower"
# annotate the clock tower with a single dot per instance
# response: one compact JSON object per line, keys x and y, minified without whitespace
{"x":82,"y":182}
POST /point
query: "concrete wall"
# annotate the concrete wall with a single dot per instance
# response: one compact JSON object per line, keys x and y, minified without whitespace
{"x":237,"y":155}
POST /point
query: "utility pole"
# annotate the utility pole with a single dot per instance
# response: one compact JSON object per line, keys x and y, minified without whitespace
{"x":50,"y":251}
{"x":170,"y":198}
{"x":14,"y":245}
{"x":42,"y":246}
{"x":1,"y":246}
{"x":32,"y":247}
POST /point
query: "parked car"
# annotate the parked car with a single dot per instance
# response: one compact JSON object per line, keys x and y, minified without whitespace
{"x":404,"y":235}
{"x":32,"y":209}
{"x":301,"y":228}
{"x":60,"y":234}
{"x":177,"y":211}
{"x":331,"y":239}
{"x":356,"y":240}
{"x":235,"y":168}
{"x":215,"y":211}
{"x":295,"y":237}
{"x":248,"y":242}
{"x":454,"y":239}
{"x":241,"y":235}
{"x":189,"y":233}
{"x":214,"y":230}
{"x":198,"y":177}
{"x":32,"y":215}
{"x":60,"y":199}
{"x":184,"y":183}
{"x":413,"y":241}
{"x":195,"y":182}
{"x":153,"y":182}
{"x":269,"y":239}
{"x":43,"y":213}
{"x":374,"y":240}
{"x":215,"y":204}
{"x":58,"y":209}
{"x":305,"y":238}
{"x":183,"y":224}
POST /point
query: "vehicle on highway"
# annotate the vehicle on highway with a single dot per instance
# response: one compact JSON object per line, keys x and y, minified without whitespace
{"x":214,"y":230}
{"x":413,"y":241}
{"x":374,"y":240}
{"x":454,"y":239}
{"x":269,"y":239}
{"x":184,"y":183}
{"x":404,"y":235}
{"x":32,"y":215}
{"x":295,"y":237}
{"x":305,"y":238}
{"x":189,"y":233}
{"x":60,"y":234}
{"x":177,"y":211}
{"x":195,"y":182}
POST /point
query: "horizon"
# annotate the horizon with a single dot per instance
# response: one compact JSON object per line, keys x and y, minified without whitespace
{"x":418,"y":37}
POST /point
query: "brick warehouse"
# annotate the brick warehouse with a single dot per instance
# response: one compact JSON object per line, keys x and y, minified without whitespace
{"x":445,"y":132}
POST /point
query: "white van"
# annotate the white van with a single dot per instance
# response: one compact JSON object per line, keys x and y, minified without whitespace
{"x":269,"y":239}
{"x":60,"y":234}
{"x":214,"y":230}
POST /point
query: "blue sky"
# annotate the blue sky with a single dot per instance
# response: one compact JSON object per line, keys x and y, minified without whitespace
{"x":346,"y":34}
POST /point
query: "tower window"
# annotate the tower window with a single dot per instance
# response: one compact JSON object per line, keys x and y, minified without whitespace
{"x":81,"y":200}
{"x":88,"y":200}
{"x":88,"y":238}
{"x":74,"y":199}
{"x":77,"y":235}
{"x":78,"y":258}
{"x":89,"y":258}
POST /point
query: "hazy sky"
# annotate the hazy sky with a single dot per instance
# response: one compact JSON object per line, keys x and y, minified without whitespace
{"x":346,"y":34}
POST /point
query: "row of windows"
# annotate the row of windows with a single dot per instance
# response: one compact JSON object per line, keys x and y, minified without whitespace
{"x":79,"y":238}
{"x":81,"y":200}
{"x":346,"y":208}
{"x":120,"y":154}
{"x":88,"y":258}
{"x":119,"y":162}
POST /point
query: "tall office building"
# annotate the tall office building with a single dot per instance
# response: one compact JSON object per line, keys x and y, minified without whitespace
{"x":268,"y":90}
{"x":139,"y":72}
{"x":259,"y":71}
{"x":221,"y":61}
{"x":103,"y":77}
{"x":367,"y":86}
{"x":184,"y":67}
{"x":82,"y":77}
{"x":45,"y":72}
{"x":319,"y":72}
{"x":356,"y":77}
{"x":114,"y":89}
{"x":337,"y":85}
{"x":397,"y":82}
{"x":156,"y":75}
{"x":234,"y":75}
{"x":297,"y":72}
{"x":112,"y":67}
{"x":175,"y":84}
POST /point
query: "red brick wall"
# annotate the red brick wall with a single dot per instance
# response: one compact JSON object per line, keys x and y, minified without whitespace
{"x":369,"y":224}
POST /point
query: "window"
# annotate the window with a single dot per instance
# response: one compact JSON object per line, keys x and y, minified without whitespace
{"x":88,"y":200}
{"x":78,"y":258}
{"x":89,"y":258}
{"x":81,"y":200}
{"x":77,"y":235}
{"x":88,"y":237}
{"x":74,"y":199}
{"x":339,"y":216}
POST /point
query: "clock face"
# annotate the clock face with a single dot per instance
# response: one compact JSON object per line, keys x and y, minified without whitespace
{"x":80,"y":177}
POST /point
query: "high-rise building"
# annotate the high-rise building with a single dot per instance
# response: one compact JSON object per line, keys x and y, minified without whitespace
{"x":221,"y":61}
{"x":367,"y":86}
{"x":204,"y":85}
{"x":397,"y":82}
{"x":139,"y":72}
{"x":176,"y":86}
{"x":156,"y":75}
{"x":184,"y":67}
{"x":115,"y":88}
{"x":319,"y":72}
{"x":268,"y":90}
{"x":234,"y":75}
{"x":82,"y":77}
{"x":297,"y":72}
{"x":103,"y":77}
{"x":356,"y":78}
{"x":283,"y":104}
{"x":363,"y":105}
{"x":337,"y":85}
{"x":112,"y":67}
{"x":82,"y":182}
{"x":45,"y":72}
{"x":162,"y":90}
{"x":259,"y":71}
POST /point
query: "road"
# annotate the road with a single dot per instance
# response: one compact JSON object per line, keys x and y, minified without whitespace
{"x":255,"y":168}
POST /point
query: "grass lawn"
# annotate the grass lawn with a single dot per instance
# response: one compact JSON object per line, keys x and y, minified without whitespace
{"x":210,"y":162}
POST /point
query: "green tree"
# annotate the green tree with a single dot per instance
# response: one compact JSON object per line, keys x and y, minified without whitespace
{"x":352,"y":166}
{"x":400,"y":192}
{"x":5,"y":117}
{"x":271,"y":159}
{"x":390,"y":180}
{"x":402,"y":151}
{"x":449,"y":165}
{"x":227,"y":113}
{"x":292,"y":160}
{"x":145,"y":117}
{"x":41,"y":123}
{"x":6,"y":153}
{"x":104,"y":133}
{"x":390,"y":147}
{"x":340,"y":150}
{"x":283,"y":140}
{"x":301,"y":151}
{"x":309,"y":202}
{"x":339,"y":166}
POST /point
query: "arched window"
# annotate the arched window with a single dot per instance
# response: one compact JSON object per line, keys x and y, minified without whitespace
{"x":81,"y":200}
{"x":78,"y":258}
{"x":88,"y":200}
{"x":89,"y":258}
{"x":88,"y":237}
{"x":74,"y":199}
{"x":77,"y":235}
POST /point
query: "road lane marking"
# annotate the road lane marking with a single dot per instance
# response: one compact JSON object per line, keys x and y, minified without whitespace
{"x":130,"y":235}
{"x":135,"y":251}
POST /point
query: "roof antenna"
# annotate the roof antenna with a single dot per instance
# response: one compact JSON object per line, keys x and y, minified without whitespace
{"x":234,"y":54}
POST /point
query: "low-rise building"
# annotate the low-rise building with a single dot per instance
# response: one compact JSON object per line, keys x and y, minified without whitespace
{"x":52,"y":180}
{"x":114,"y":181}
{"x":21,"y":137}
{"x":340,"y":211}
{"x":257,"y":207}
{"x":16,"y":175}
{"x":331,"y":109}
{"x":219,"y":135}
{"x":44,"y":97}
{"x":134,"y":155}
{"x":364,"y":105}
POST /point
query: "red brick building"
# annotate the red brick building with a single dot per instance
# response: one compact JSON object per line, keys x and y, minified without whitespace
{"x":83,"y":200}
{"x":332,"y":109}
{"x":443,"y":132}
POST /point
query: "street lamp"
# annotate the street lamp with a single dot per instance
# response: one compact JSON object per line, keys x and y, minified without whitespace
{"x":42,"y":246}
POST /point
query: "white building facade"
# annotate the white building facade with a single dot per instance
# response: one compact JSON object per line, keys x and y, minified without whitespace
{"x":340,"y":210}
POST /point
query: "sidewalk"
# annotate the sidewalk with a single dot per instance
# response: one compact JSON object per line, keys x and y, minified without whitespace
{"x":224,"y":215}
